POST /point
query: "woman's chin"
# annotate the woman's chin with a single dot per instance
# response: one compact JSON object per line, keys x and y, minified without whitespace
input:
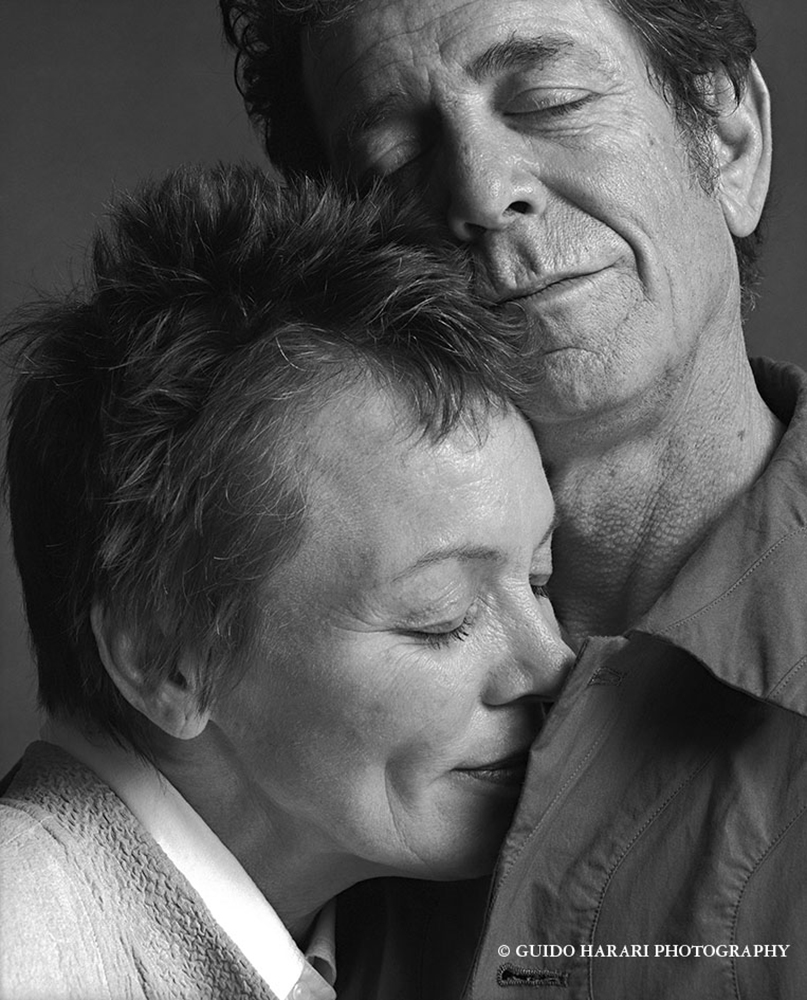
{"x":471,"y":835}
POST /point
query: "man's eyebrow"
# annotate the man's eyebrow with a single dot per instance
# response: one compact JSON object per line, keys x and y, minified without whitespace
{"x":514,"y":53}
{"x":517,"y":53}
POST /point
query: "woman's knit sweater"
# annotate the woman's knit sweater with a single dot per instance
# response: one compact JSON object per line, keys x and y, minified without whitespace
{"x":91,"y":908}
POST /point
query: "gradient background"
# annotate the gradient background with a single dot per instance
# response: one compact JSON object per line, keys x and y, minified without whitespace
{"x":96,"y":94}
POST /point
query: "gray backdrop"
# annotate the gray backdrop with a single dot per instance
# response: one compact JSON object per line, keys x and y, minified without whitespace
{"x":97,"y":94}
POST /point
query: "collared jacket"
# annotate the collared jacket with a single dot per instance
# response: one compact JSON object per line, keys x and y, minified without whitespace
{"x":659,"y":851}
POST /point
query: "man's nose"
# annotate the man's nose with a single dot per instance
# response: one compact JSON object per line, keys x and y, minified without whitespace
{"x":532,"y":662}
{"x":487,"y":185}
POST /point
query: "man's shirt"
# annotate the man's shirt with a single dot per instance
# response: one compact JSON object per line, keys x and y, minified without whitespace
{"x":659,"y":846}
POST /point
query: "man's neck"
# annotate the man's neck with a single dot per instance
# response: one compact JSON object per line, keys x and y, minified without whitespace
{"x":634,"y":508}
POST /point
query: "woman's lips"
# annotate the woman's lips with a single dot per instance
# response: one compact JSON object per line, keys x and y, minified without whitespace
{"x":506,"y":771}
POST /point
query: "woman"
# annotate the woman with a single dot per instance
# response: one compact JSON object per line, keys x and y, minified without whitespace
{"x":283,"y":543}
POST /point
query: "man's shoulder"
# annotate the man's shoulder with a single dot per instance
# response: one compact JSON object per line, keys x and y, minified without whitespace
{"x":780,"y":383}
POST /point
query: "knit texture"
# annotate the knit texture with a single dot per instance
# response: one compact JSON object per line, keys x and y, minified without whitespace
{"x":91,"y":908}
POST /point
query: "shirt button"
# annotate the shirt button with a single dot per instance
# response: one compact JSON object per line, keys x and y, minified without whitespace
{"x":298,"y":993}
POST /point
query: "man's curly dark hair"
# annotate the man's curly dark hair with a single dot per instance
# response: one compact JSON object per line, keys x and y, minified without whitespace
{"x":684,"y":42}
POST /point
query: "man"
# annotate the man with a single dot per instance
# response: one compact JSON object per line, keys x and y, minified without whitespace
{"x":606,"y":164}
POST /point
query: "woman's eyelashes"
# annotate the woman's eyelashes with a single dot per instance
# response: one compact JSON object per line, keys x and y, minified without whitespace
{"x":457,"y":626}
{"x":460,"y":633}
{"x":444,"y":633}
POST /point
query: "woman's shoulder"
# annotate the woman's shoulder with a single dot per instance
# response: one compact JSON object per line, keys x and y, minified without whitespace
{"x":48,"y":921}
{"x":50,"y":801}
{"x":89,"y":903}
{"x":55,"y":824}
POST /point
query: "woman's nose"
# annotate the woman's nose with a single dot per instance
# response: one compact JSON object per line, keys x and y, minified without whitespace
{"x":534,"y":663}
{"x":486,"y":187}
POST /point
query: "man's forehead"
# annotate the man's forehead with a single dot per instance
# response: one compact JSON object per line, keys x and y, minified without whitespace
{"x":373,"y":24}
{"x":396,"y":38}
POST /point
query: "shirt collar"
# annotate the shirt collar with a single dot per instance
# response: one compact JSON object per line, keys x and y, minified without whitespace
{"x":737,"y":605}
{"x":233,"y":899}
{"x":320,"y":951}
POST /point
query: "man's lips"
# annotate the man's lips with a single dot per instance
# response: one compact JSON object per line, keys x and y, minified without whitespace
{"x":543,"y":284}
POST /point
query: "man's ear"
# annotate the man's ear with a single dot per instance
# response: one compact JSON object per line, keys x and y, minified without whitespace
{"x":171,"y":704}
{"x":743,"y":146}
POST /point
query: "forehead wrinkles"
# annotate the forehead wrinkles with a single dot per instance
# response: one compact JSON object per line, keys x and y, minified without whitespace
{"x":388,"y":39}
{"x":392,"y":52}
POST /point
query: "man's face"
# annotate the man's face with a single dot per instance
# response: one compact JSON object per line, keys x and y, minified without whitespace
{"x":407,"y":647}
{"x":532,"y":128}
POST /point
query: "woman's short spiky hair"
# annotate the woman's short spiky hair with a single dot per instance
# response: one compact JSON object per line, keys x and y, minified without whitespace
{"x":155,"y":453}
{"x":684,"y":42}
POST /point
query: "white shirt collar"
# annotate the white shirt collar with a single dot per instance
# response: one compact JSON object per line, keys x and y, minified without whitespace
{"x":232,"y":898}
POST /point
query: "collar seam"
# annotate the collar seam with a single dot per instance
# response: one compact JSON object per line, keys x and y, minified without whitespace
{"x":672,"y":626}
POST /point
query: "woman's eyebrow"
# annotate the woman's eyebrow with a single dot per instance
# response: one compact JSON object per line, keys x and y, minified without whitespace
{"x":464,"y":553}
{"x":467,"y":553}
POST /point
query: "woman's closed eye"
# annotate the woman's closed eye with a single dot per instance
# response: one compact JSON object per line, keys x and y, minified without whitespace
{"x":439,"y":639}
{"x":445,"y":633}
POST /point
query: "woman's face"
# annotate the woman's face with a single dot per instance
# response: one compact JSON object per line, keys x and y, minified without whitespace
{"x":407,"y":647}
